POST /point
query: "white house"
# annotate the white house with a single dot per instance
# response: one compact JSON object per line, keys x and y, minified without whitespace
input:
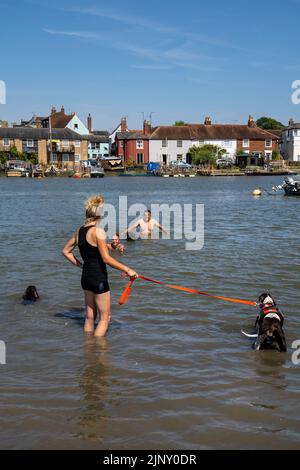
{"x":172,"y":143}
{"x":290,"y":142}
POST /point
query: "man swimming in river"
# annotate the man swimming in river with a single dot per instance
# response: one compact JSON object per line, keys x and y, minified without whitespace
{"x":146,"y":225}
{"x":116,"y":244}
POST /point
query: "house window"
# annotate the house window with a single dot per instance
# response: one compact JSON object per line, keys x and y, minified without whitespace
{"x":121,"y":143}
{"x":77,"y":143}
{"x":269,"y":155}
{"x":179,"y":143}
{"x":29,"y":143}
{"x":140,"y":158}
{"x":268,"y":143}
{"x":298,"y":158}
{"x":75,"y":126}
{"x":54,"y":157}
{"x":139,"y":144}
{"x":201,"y":143}
{"x":246,"y":143}
{"x":6,"y":142}
{"x":76,"y":157}
{"x":65,"y":143}
{"x":179,"y":158}
{"x":164,"y":143}
{"x":66,"y":157}
{"x":227,"y":143}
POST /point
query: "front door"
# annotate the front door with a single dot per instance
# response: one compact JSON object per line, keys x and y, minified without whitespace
{"x":164,"y":159}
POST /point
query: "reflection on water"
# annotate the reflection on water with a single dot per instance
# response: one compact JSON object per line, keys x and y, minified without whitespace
{"x":175,"y":370}
{"x":93,"y":382}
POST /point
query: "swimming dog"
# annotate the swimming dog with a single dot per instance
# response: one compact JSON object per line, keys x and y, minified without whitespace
{"x":269,"y":324}
{"x":30,"y":295}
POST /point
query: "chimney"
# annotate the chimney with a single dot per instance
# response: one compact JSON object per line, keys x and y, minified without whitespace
{"x":147,"y":128}
{"x":291,"y":122}
{"x":53,"y":110}
{"x":38,"y":123}
{"x":62,"y":110}
{"x":89,"y":123}
{"x":123,"y":124}
{"x":207,"y":121}
{"x":251,"y":122}
{"x":3,"y":124}
{"x":14,"y":124}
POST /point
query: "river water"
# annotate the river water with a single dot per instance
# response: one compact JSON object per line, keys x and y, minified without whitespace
{"x":175,"y":371}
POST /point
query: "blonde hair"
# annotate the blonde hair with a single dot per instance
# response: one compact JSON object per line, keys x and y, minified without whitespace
{"x":93,"y":206}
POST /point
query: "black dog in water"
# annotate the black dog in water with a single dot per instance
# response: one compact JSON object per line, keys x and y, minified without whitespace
{"x":30,"y":295}
{"x":269,"y":324}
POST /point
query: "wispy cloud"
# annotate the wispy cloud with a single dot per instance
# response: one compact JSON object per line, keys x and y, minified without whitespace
{"x":154,"y":26}
{"x":151,"y":67}
{"x":170,"y":57}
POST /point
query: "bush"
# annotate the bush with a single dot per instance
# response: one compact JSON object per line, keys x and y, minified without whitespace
{"x":206,"y":154}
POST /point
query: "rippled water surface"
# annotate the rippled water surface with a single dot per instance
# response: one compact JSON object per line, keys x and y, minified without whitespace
{"x":174,"y":370}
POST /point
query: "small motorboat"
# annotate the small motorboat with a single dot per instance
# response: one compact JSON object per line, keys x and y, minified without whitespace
{"x":290,"y":186}
{"x":97,"y":172}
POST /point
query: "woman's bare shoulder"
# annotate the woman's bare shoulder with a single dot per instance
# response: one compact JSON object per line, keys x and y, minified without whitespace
{"x":100,"y":233}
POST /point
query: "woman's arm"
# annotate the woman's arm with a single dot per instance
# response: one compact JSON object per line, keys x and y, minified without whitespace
{"x":102,"y":247}
{"x":68,"y":251}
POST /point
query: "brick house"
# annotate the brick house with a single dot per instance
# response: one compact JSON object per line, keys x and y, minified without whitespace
{"x":133,"y":145}
{"x":172,"y":143}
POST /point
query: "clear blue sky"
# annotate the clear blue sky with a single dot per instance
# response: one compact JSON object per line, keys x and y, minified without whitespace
{"x":178,"y":59}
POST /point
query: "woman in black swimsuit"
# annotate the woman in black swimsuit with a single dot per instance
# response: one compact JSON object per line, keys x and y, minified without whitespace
{"x":91,"y":241}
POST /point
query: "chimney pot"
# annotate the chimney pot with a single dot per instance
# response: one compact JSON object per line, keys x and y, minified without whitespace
{"x":53,"y":110}
{"x":207,"y":121}
{"x":89,"y":123}
{"x":62,"y":110}
{"x":251,"y":122}
{"x":123,"y":124}
{"x":147,"y":128}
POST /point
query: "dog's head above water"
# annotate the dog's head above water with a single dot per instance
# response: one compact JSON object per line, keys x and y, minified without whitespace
{"x":266,"y":299}
{"x":30,"y":294}
{"x":270,"y":325}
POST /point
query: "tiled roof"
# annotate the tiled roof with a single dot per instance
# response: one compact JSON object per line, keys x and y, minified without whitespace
{"x":60,"y":120}
{"x":211,"y":132}
{"x":132,"y":135}
{"x":39,"y":134}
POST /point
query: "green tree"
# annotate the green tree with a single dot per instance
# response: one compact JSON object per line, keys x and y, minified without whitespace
{"x":269,"y":123}
{"x":180,"y":123}
{"x":31,"y":158}
{"x":3,"y":158}
{"x":276,"y":156}
{"x":15,"y":154}
{"x":206,"y":154}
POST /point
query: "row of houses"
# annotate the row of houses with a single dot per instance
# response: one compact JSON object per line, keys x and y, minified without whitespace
{"x":63,"y":139}
{"x":60,"y":139}
{"x":173,"y":143}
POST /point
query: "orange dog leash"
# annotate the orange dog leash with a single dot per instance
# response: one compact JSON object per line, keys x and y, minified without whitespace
{"x":126,"y":294}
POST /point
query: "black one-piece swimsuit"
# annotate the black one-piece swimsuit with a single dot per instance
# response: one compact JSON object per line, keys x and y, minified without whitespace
{"x":94,"y":272}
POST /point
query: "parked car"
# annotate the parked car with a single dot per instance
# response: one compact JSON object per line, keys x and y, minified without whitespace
{"x":224,"y":163}
{"x":183,"y":165}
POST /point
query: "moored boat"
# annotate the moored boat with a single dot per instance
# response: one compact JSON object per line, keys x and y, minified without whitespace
{"x":290,"y":186}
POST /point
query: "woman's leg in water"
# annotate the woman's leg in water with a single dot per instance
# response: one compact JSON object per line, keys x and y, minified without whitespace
{"x":103,"y":306}
{"x":91,"y":311}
